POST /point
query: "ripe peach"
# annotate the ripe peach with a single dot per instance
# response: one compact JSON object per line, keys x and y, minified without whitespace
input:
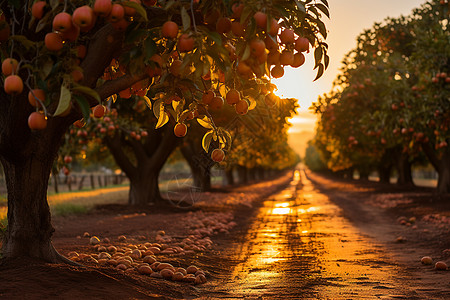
{"x":260,"y":19}
{"x":208,"y":96}
{"x":287,"y":36}
{"x":53,"y":41}
{"x":37,"y":121}
{"x":117,"y":13}
{"x":274,"y":27}
{"x":99,"y":111}
{"x":13,"y":85}
{"x":237,"y":9}
{"x":286,"y":57}
{"x":223,"y":25}
{"x":217,"y":155}
{"x":36,"y":93}
{"x":83,"y":16}
{"x":9,"y":66}
{"x":241,"y":107}
{"x":180,"y":130}
{"x":277,"y":71}
{"x":299,"y":59}
{"x":237,"y":28}
{"x":71,"y":34}
{"x":169,"y":30}
{"x":102,"y":7}
{"x":216,"y":103}
{"x":130,"y":11}
{"x":175,"y":67}
{"x":185,"y":43}
{"x":301,"y":44}
{"x":37,"y":10}
{"x":233,"y":96}
{"x":62,"y":22}
{"x":257,"y":47}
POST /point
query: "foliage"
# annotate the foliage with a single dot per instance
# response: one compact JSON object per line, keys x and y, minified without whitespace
{"x":392,"y":91}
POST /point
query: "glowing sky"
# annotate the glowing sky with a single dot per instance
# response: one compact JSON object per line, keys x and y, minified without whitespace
{"x":348,"y":19}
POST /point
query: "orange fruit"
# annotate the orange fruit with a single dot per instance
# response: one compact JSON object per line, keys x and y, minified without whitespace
{"x":273,"y":58}
{"x":38,"y":93}
{"x":216,"y":103}
{"x":301,"y":44}
{"x":186,"y":43}
{"x":287,"y":36}
{"x":237,"y":9}
{"x":13,"y":85}
{"x":99,"y":111}
{"x":37,"y":10}
{"x":208,"y":96}
{"x":130,"y":11}
{"x":277,"y":71}
{"x":286,"y":57}
{"x":175,"y":67}
{"x":241,"y":107}
{"x":53,"y":41}
{"x":299,"y":59}
{"x":180,"y":129}
{"x":257,"y":47}
{"x":217,"y":155}
{"x":223,"y":25}
{"x":37,"y":121}
{"x":71,"y":34}
{"x":260,"y":19}
{"x":244,"y":69}
{"x":237,"y":28}
{"x":62,"y":22}
{"x":156,"y":69}
{"x":102,"y":7}
{"x":77,"y":75}
{"x":117,"y":13}
{"x":83,"y":16}
{"x":274,"y":27}
{"x":271,"y":43}
{"x":9,"y":66}
{"x":169,"y":30}
{"x":233,"y":96}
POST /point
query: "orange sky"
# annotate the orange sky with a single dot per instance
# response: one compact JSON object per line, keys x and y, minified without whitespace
{"x":348,"y":19}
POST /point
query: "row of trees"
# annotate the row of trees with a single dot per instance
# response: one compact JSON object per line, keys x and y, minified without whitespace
{"x":62,"y":58}
{"x":390,"y":103}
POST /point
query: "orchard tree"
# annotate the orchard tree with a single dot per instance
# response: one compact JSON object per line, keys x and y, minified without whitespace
{"x":55,"y":55}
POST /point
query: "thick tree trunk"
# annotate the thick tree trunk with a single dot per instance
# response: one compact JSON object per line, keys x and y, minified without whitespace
{"x":200,"y":165}
{"x":363,"y":174}
{"x":202,"y":179}
{"x":144,"y":190}
{"x":444,"y":173}
{"x":385,"y":167}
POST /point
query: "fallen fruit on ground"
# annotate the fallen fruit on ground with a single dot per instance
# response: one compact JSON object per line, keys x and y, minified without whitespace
{"x":426,"y":260}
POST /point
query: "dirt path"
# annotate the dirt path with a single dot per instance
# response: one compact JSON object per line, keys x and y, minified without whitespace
{"x":314,"y":238}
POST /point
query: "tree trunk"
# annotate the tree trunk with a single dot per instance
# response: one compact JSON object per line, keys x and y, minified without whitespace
{"x":200,"y":165}
{"x":229,"y":176}
{"x":385,"y":166}
{"x":444,"y":173}
{"x":404,"y":170}
{"x":242,"y":174}
{"x":27,"y":163}
{"x":144,"y":190}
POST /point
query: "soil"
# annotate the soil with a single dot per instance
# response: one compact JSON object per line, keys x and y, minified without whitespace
{"x":411,"y":222}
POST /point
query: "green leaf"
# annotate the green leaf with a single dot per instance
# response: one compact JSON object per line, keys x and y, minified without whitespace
{"x":169,"y":4}
{"x":84,"y":105}
{"x":139,"y":9}
{"x":43,"y":22}
{"x":205,"y":122}
{"x":206,"y":141}
{"x":23,"y":40}
{"x":134,"y":35}
{"x":322,"y":28}
{"x":215,"y":36}
{"x":325,"y":2}
{"x":149,"y":48}
{"x":324,"y":9}
{"x":246,"y":53}
{"x":319,"y":72}
{"x":185,"y":18}
{"x":86,"y":91}
{"x":64,"y":101}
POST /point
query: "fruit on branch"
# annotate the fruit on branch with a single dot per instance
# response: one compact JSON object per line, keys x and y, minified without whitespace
{"x":9,"y":66}
{"x":180,"y":130}
{"x":217,"y":155}
{"x":53,"y":41}
{"x":13,"y":85}
{"x":37,"y":121}
{"x":62,"y":22}
{"x":36,"y":93}
{"x":169,"y":30}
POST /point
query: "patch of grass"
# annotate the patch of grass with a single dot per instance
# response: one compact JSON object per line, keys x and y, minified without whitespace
{"x":66,"y":209}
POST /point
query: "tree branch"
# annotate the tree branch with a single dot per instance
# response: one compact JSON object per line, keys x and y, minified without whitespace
{"x":112,"y":87}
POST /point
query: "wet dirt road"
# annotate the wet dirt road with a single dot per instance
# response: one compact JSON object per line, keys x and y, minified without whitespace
{"x":300,"y":247}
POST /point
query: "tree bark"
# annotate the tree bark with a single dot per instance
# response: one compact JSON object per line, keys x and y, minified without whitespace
{"x":199,"y":163}
{"x":242,"y":174}
{"x":441,"y":165}
{"x":385,"y":167}
{"x":404,"y":169}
